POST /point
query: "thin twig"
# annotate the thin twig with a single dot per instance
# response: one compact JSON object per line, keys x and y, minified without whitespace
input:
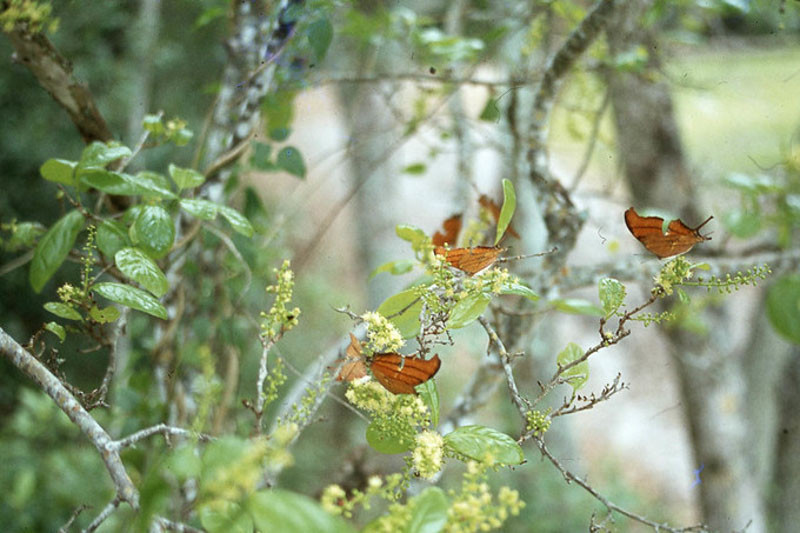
{"x":570,"y":477}
{"x":523,"y":405}
{"x":78,"y":510}
{"x":159,"y":429}
{"x":105,"y":513}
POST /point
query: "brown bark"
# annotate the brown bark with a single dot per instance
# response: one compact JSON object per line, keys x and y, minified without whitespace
{"x":712,"y":374}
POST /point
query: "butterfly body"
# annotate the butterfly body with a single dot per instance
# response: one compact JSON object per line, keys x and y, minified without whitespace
{"x":679,"y":238}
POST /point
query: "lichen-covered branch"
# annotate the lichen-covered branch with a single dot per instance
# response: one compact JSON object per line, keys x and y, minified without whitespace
{"x":105,"y":445}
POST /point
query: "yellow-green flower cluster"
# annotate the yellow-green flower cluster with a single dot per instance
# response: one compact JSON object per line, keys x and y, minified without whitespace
{"x":473,"y":508}
{"x":67,"y":293}
{"x":382,"y":335}
{"x":279,"y":319}
{"x":673,"y":273}
{"x":335,"y":501}
{"x":493,"y":279}
{"x":240,"y":476}
{"x":370,"y":396}
{"x":428,"y":453}
{"x":278,"y":456}
{"x":538,"y":422}
{"x":30,"y":12}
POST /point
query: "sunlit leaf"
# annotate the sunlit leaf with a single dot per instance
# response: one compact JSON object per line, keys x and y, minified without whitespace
{"x":612,"y":295}
{"x":185,"y":178}
{"x":507,"y":212}
{"x":402,"y":310}
{"x":468,"y":310}
{"x":387,"y":443}
{"x":63,"y":310}
{"x":482,"y":443}
{"x":199,"y":208}
{"x":153,"y":231}
{"x":282,"y":511}
{"x":138,"y":267}
{"x":237,"y":220}
{"x":59,"y":171}
{"x":783,"y":307}
{"x":428,"y":511}
{"x":56,"y":329}
{"x":576,"y":306}
{"x":394,"y":267}
{"x":578,"y":374}
{"x":131,"y":297}
{"x":111,"y":237}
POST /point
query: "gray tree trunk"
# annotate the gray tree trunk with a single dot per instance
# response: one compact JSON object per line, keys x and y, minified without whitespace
{"x":713,"y":376}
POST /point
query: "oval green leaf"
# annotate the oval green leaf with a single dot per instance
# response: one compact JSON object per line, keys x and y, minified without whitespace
{"x":63,"y":310}
{"x":289,"y":512}
{"x":138,"y":267}
{"x":612,"y":295}
{"x":507,"y":212}
{"x":429,"y":393}
{"x":185,"y":178}
{"x":428,"y":511}
{"x":131,"y":297}
{"x":410,"y":233}
{"x":100,"y":154}
{"x":290,"y":160}
{"x":153,"y":231}
{"x":410,"y":304}
{"x":111,"y":237}
{"x":320,"y":35}
{"x":202,"y":209}
{"x":59,"y":171}
{"x":783,"y":307}
{"x":389,"y":444}
{"x":479,"y":442}
{"x":393,"y":267}
{"x":57,"y":330}
{"x":468,"y":310}
{"x":104,"y":316}
{"x":237,"y":220}
{"x":578,"y":374}
{"x":53,"y":248}
{"x":576,"y":306}
{"x":519,"y":290}
{"x":219,"y":516}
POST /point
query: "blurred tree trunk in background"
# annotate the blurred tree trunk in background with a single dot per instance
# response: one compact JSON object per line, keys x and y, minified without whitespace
{"x":143,"y":39}
{"x":711,"y":365}
{"x":785,"y":488}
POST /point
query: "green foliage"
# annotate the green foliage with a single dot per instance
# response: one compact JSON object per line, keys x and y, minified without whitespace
{"x":575,"y":375}
{"x":783,"y":307}
{"x":612,"y":295}
{"x":33,"y":15}
{"x":507,"y":211}
{"x":53,"y":248}
{"x":484,"y":444}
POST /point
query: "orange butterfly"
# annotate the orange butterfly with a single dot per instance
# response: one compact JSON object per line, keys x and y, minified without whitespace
{"x":470,"y":260}
{"x":397,"y":374}
{"x":495,"y":209}
{"x":452,"y":227}
{"x":678,"y":239}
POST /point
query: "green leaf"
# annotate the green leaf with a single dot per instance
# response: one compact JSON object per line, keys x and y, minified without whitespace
{"x":282,"y":511}
{"x":261,"y":158}
{"x":754,"y":184}
{"x":388,"y":443}
{"x":428,"y":511}
{"x":429,"y":393}
{"x":131,"y":297}
{"x":237,"y":221}
{"x":220,"y":516}
{"x":468,"y":310}
{"x":153,"y":231}
{"x":411,"y":234}
{"x":478,"y":442}
{"x":682,"y":296}
{"x":394,"y":267}
{"x":416,"y":169}
{"x":491,"y":111}
{"x":138,"y":266}
{"x":578,"y":374}
{"x":63,"y":310}
{"x":185,"y":178}
{"x":612,"y":295}
{"x":320,"y":35}
{"x":100,"y":154}
{"x":519,"y":290}
{"x":576,"y":306}
{"x":59,"y":171}
{"x":104,"y":316}
{"x":290,"y":160}
{"x":53,"y":248}
{"x":507,"y":212}
{"x":111,"y":237}
{"x":408,"y":321}
{"x":122,"y":184}
{"x":56,"y":329}
{"x":202,"y":209}
{"x":278,"y":108}
{"x":783,"y":307}
{"x":742,"y":223}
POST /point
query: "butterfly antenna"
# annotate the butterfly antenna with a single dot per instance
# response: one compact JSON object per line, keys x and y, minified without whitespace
{"x":706,"y":221}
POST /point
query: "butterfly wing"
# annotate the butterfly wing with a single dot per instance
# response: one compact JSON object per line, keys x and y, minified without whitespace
{"x":470,"y":260}
{"x":678,"y":239}
{"x":400,"y":375}
{"x":451,"y":227}
{"x":354,"y":366}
